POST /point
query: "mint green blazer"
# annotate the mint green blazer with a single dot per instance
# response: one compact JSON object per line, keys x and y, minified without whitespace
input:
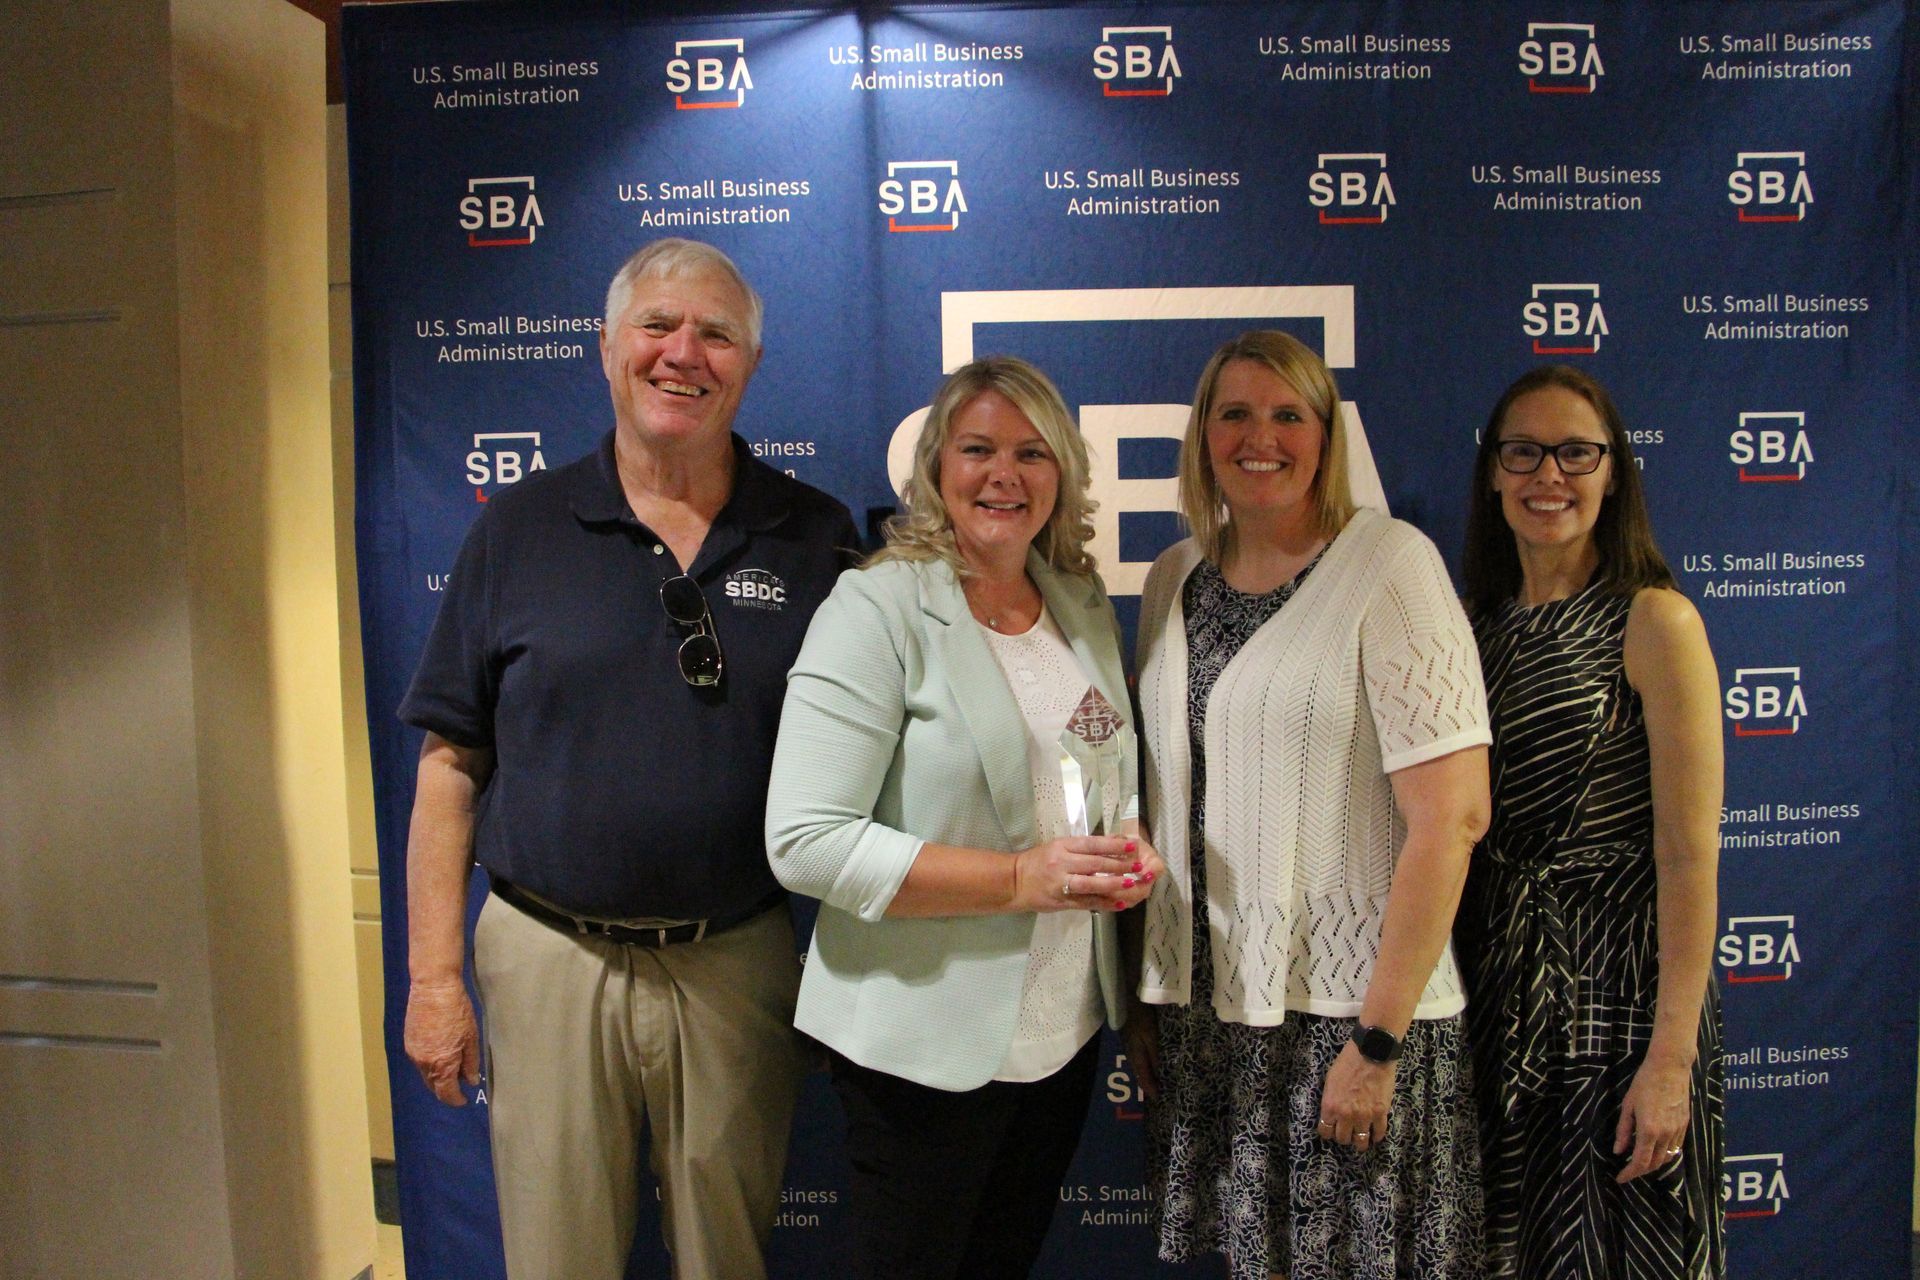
{"x":899,"y":728}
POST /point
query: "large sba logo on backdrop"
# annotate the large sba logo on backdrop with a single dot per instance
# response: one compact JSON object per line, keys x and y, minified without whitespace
{"x":707,"y":74}
{"x":1104,"y":426}
{"x":1136,"y":62}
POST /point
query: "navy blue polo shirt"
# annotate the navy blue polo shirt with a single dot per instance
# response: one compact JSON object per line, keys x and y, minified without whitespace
{"x":618,"y":789}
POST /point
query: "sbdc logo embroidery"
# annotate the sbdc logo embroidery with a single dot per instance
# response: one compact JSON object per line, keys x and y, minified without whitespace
{"x":1136,"y":69}
{"x":500,"y":213}
{"x":1561,"y":57}
{"x":922,"y":195}
{"x":756,"y":589}
{"x":701,"y":76}
{"x":1770,"y":192}
{"x":1353,"y":185}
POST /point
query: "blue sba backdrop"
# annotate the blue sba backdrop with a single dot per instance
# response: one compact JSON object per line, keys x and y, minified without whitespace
{"x":1705,"y":205}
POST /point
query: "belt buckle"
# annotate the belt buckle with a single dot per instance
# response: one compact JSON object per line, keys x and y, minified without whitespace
{"x":651,"y":937}
{"x":665,"y":935}
{"x":699,"y":928}
{"x":679,"y":934}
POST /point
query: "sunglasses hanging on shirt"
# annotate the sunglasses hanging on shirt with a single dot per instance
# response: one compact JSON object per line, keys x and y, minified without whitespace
{"x":686,"y":604}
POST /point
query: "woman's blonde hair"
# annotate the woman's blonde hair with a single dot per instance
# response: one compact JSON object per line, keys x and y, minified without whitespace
{"x":1301,"y":367}
{"x":923,"y":530}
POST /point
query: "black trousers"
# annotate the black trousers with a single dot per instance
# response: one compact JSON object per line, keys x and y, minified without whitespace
{"x":957,"y":1184}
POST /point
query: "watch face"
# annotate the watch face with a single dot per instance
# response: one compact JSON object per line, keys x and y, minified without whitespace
{"x":1376,"y":1045}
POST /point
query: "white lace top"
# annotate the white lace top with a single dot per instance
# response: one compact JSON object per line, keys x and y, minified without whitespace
{"x":1060,"y":1006}
{"x":1370,"y":668}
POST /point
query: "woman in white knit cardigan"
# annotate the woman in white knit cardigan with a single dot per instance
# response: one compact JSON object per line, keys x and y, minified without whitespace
{"x":1315,"y":739}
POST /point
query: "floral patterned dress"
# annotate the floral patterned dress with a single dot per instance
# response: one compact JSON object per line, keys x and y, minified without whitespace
{"x":1237,"y":1160}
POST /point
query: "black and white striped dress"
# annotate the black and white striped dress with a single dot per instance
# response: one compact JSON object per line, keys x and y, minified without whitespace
{"x":1557,"y":941}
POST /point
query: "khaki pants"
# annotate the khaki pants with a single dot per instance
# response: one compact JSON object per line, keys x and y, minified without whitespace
{"x":588,"y":1039}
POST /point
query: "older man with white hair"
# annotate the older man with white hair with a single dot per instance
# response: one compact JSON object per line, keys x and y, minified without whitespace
{"x":600,"y":695}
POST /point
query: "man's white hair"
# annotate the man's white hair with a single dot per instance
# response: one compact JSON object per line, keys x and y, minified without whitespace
{"x":673,"y":258}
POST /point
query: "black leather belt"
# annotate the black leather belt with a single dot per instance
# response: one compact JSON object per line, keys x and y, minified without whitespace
{"x":627,"y":934}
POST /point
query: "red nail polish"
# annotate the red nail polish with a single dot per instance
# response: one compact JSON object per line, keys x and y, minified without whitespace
{"x":1133,"y":846}
{"x":1147,"y":878}
{"x":1136,"y":866}
{"x":1126,"y":882}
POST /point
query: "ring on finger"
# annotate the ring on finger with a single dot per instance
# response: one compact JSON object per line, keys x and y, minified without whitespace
{"x":1066,"y":887}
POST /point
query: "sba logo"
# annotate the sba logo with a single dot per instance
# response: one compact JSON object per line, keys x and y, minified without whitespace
{"x":1565,"y":317}
{"x":1144,"y":69}
{"x":1766,"y":702}
{"x":1763,"y":192}
{"x":502,"y":457}
{"x":702,"y":77}
{"x":1353,"y":186}
{"x":1123,"y":1091}
{"x":915,"y":200}
{"x":1771,"y":448}
{"x":500,"y":213}
{"x":1560,"y":57}
{"x":1758,"y":949}
{"x":1754,"y":1186}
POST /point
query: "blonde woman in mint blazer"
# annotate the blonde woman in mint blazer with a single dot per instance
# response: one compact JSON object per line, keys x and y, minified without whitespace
{"x":955,"y":782}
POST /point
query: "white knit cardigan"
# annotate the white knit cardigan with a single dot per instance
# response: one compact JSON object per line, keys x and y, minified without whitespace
{"x":1369,"y":668}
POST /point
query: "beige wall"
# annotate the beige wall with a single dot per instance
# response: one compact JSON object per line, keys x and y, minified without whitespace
{"x":106,"y":1024}
{"x":363,"y":852}
{"x":175,"y":934}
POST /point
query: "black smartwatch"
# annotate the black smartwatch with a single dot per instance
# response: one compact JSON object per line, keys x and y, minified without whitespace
{"x":1376,"y":1044}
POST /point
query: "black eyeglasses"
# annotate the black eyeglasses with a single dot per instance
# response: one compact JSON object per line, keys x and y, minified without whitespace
{"x":1573,"y":457}
{"x":686,"y":604}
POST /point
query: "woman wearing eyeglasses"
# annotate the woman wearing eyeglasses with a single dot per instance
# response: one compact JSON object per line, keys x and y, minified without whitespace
{"x":955,"y":781}
{"x":1586,"y":930}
